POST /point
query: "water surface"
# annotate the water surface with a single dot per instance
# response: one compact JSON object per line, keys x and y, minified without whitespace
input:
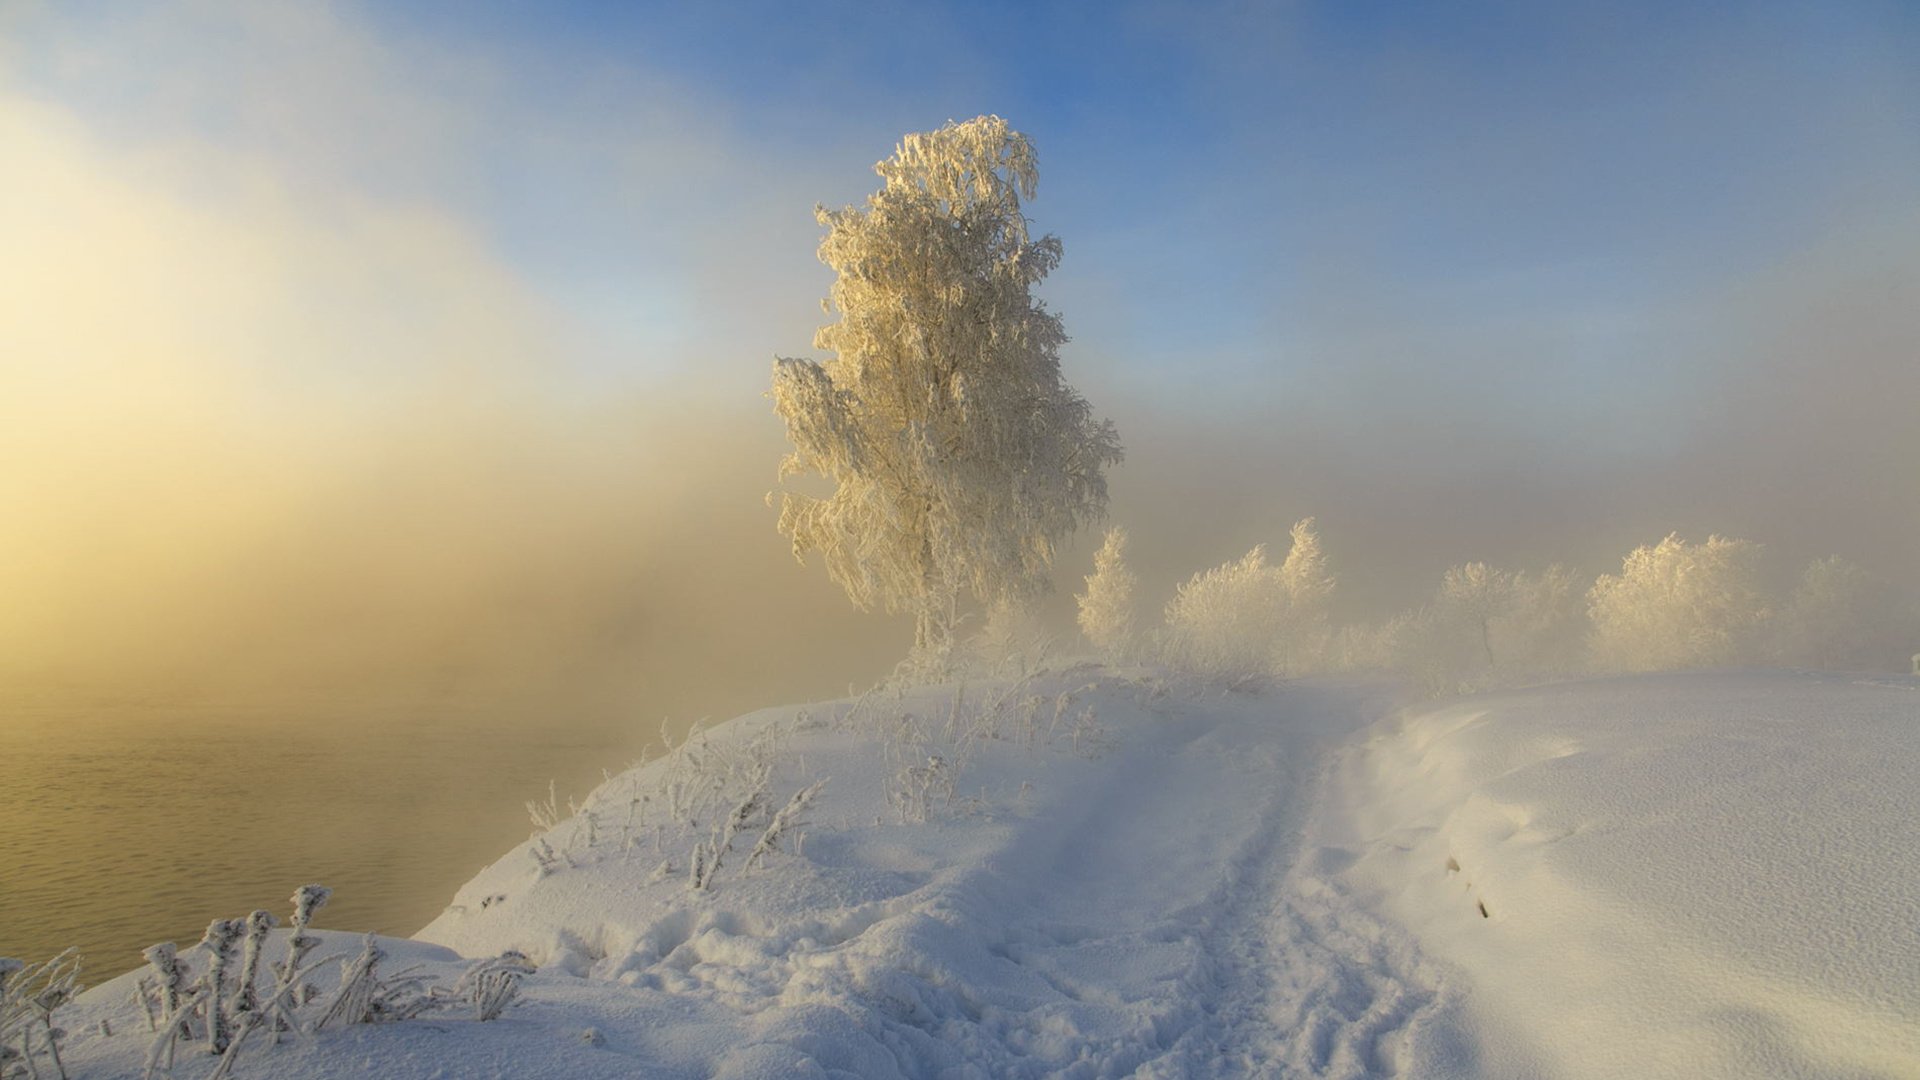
{"x":126,"y":825}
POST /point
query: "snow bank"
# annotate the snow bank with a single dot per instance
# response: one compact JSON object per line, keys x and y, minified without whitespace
{"x":1689,"y":876}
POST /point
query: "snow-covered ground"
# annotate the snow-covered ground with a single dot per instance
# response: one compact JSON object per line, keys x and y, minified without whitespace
{"x":1097,"y":874}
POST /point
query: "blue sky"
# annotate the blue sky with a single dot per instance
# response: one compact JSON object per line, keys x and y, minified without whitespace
{"x":1238,"y":184}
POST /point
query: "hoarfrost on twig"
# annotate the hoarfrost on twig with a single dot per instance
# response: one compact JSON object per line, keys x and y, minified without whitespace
{"x":784,"y":820}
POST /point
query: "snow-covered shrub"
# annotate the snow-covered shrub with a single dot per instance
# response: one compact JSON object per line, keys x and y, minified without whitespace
{"x":1679,"y":605}
{"x":1433,"y":652}
{"x":1106,"y":607}
{"x":287,"y":987}
{"x":29,"y":996}
{"x":704,"y":778}
{"x":222,"y":1006}
{"x":545,"y":859}
{"x":705,"y":793}
{"x":491,"y":985}
{"x":1484,"y":627}
{"x":1840,"y":617}
{"x":925,"y":759}
{"x":1358,"y":647}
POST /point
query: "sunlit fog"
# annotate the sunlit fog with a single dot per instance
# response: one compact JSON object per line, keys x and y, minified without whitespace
{"x":349,"y":352}
{"x":1244,"y":540}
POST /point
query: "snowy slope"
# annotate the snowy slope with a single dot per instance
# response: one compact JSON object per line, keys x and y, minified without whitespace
{"x":1106,"y":874}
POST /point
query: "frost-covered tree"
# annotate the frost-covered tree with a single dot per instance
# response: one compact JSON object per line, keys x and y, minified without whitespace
{"x":1487,"y":626}
{"x":1679,"y":605}
{"x":956,"y":454}
{"x":1840,"y":617}
{"x":1472,"y":597}
{"x":1106,"y":607}
{"x":1422,"y":645}
{"x":1543,"y":631}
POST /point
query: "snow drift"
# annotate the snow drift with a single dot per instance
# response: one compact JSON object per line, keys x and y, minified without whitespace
{"x":1689,"y":875}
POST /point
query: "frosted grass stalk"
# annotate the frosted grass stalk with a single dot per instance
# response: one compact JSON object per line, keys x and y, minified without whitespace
{"x":247,"y":999}
{"x":222,"y":936}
